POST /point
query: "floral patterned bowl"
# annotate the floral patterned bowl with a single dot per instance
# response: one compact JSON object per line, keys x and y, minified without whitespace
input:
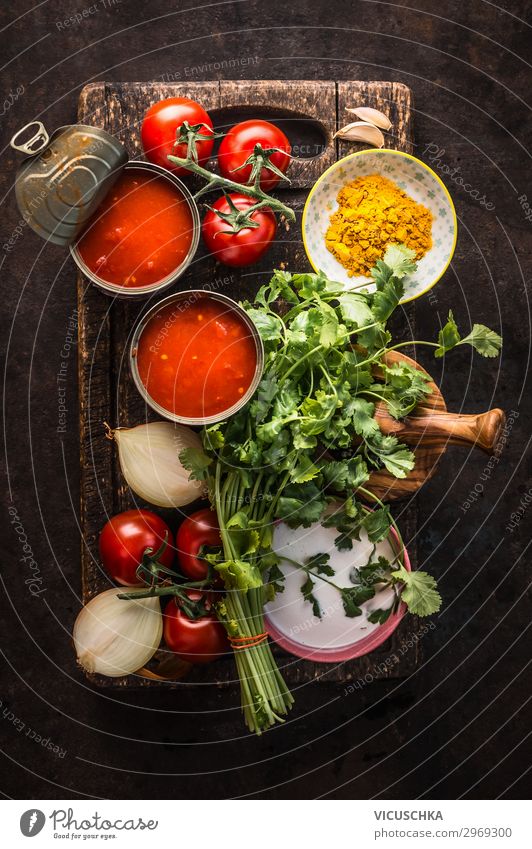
{"x":417,"y":180}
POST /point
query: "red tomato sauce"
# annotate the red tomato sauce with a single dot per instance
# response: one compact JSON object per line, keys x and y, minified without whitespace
{"x":196,"y":360}
{"x":141,"y":232}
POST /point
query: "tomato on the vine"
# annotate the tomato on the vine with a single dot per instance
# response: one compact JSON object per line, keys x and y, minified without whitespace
{"x":246,"y":245}
{"x":197,"y":530}
{"x":198,"y":640}
{"x":124,"y":540}
{"x":161,"y":126}
{"x":239,"y":144}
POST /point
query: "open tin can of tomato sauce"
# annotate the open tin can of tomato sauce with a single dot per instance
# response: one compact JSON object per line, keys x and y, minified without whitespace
{"x":132,"y":227}
{"x":196,"y":357}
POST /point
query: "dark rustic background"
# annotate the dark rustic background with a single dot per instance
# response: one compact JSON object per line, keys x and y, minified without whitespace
{"x":459,"y":724}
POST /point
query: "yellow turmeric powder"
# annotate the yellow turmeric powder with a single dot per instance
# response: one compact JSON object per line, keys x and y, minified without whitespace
{"x":373,"y":212}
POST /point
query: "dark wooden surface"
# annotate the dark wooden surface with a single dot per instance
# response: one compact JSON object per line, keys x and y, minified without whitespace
{"x":457,"y":725}
{"x":309,"y":112}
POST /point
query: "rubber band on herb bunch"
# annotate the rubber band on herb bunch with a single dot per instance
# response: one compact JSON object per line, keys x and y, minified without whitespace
{"x":248,"y":642}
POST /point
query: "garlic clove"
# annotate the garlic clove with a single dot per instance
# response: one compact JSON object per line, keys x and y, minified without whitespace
{"x":362,"y":132}
{"x":371,"y":116}
{"x":114,"y":636}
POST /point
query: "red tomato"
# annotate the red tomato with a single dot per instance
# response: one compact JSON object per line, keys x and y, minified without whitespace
{"x":125,"y":538}
{"x":246,"y":246}
{"x":161,"y":123}
{"x":199,"y":529}
{"x":194,"y":640}
{"x":239,"y":144}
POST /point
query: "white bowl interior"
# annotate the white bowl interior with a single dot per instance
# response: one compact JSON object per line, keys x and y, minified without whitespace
{"x":292,"y":616}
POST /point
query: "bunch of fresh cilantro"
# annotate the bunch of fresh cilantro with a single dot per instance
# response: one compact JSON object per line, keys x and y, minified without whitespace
{"x":309,"y":437}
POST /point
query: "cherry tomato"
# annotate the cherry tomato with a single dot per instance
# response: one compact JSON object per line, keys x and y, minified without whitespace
{"x":124,"y":540}
{"x":199,"y":529}
{"x":239,"y":144}
{"x":194,"y":640}
{"x":246,"y":246}
{"x":161,"y":123}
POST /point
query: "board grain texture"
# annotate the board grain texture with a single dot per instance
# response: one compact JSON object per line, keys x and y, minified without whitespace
{"x":309,"y":112}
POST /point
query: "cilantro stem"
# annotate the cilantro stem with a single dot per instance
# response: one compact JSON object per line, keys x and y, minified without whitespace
{"x":222,"y":513}
{"x":305,"y":357}
{"x":377,"y":500}
{"x":271,"y":510}
{"x":413,"y":342}
{"x":307,"y":568}
{"x":253,"y":496}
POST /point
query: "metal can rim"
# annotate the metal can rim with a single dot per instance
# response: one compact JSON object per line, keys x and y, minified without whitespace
{"x":115,"y":289}
{"x":141,"y":326}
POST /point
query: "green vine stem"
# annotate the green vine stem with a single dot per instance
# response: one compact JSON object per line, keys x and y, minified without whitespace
{"x":172,"y":590}
{"x":215,"y":181}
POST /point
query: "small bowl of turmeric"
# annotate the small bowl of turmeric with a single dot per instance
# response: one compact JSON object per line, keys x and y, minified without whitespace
{"x":373,"y":198}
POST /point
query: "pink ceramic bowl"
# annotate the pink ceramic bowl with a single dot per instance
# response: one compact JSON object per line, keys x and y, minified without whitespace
{"x":357,"y":649}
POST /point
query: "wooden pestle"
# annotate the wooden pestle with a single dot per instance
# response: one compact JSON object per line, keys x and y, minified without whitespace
{"x":432,"y":427}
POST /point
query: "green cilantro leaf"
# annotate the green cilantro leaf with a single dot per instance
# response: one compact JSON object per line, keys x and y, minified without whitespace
{"x":213,"y":439}
{"x":353,"y":597}
{"x":355,"y":309}
{"x":266,"y":392}
{"x":329,"y":329}
{"x":403,"y":388}
{"x":347,"y":519}
{"x":419,"y":592}
{"x":268,"y":324}
{"x":308,"y":285}
{"x":239,"y":575}
{"x":307,"y":588}
{"x":316,"y":412}
{"x":374,"y":338}
{"x":396,"y":458}
{"x":276,"y":578}
{"x":320,"y":562}
{"x":304,"y":470}
{"x":481,"y":338}
{"x":373,"y":572}
{"x":344,"y":475}
{"x":485,"y":341}
{"x":301,"y":440}
{"x":385,"y":300}
{"x":398,"y":260}
{"x":448,"y":337}
{"x":197,"y":463}
{"x":363,"y":413}
{"x":277,"y":450}
{"x":379,"y":616}
{"x":278,"y":287}
{"x":300,"y":504}
{"x":287,"y":400}
{"x":245,"y":539}
{"x":377,"y":524}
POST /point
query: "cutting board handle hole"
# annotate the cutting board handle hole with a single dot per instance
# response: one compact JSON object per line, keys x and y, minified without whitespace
{"x":309,"y":138}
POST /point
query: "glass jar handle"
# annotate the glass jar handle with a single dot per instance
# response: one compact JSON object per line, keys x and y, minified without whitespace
{"x":36,"y":143}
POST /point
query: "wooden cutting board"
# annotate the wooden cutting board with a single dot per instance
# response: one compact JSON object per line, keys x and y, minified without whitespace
{"x":309,"y":112}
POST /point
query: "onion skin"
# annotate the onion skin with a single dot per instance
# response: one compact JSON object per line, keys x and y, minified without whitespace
{"x":149,"y":460}
{"x":116,"y":637}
